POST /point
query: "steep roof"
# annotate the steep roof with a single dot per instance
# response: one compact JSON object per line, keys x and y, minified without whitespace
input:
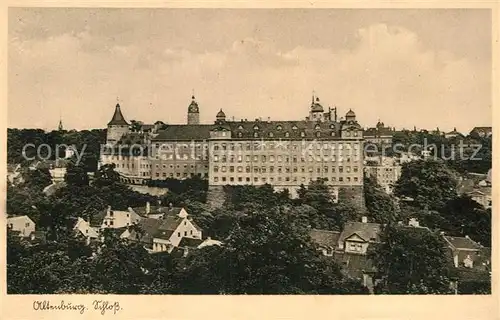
{"x":149,"y":227}
{"x":325,"y":238}
{"x":184,"y":132}
{"x":366,"y":230}
{"x":462,"y":243}
{"x":96,"y":219}
{"x":118,"y":118}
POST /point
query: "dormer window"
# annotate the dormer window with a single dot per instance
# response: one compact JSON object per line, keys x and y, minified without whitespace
{"x":317,"y":127}
{"x":347,"y":134}
{"x":287,"y":134}
{"x":271,"y":134}
{"x":256,"y":127}
{"x":332,"y":126}
{"x":332,"y":134}
{"x":318,"y":134}
{"x":302,"y":134}
{"x":355,"y":133}
{"x":240,"y":127}
{"x":279,"y":128}
{"x":240,"y":134}
{"x":294,"y":127}
{"x":255,"y":134}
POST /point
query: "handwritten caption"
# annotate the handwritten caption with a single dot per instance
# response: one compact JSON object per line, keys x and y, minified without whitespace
{"x":101,"y":306}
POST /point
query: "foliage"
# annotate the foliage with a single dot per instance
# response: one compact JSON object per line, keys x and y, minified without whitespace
{"x":411,"y":261}
{"x":380,"y":206}
{"x":429,"y":182}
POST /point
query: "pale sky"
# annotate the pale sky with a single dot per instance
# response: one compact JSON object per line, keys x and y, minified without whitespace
{"x":429,"y":68}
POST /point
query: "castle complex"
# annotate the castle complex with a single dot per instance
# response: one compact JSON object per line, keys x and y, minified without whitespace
{"x":284,"y":154}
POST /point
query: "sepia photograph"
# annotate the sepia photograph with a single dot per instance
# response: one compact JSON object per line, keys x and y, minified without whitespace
{"x":270,"y":151}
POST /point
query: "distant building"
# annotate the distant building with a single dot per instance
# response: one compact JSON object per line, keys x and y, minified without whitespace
{"x":84,"y":229}
{"x":380,"y":134}
{"x":21,"y":225}
{"x":453,"y":134}
{"x":482,"y":132}
{"x":386,"y":171}
{"x":284,"y":154}
{"x":115,"y":219}
{"x":173,"y":229}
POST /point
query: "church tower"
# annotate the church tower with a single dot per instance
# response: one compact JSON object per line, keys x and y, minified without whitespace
{"x":193,"y":116}
{"x":117,"y":127}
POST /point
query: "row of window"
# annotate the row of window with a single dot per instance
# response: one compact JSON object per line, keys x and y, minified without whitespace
{"x":272,"y":158}
{"x":284,"y":169}
{"x":317,"y":134}
{"x":285,"y":145}
{"x":180,"y":175}
{"x":281,"y":179}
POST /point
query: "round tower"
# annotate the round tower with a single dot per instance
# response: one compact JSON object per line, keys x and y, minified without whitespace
{"x":117,"y":127}
{"x":193,"y":116}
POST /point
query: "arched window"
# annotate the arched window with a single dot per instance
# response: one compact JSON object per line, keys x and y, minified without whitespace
{"x":318,"y":134}
{"x":240,"y":134}
{"x":333,"y":134}
{"x":302,"y":134}
{"x":287,"y":134}
{"x":255,"y":134}
{"x":317,"y":127}
{"x":271,"y":134}
{"x":279,"y":127}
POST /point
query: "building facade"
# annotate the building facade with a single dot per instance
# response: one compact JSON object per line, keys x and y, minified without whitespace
{"x":284,"y":154}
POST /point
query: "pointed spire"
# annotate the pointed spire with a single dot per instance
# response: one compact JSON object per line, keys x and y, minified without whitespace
{"x":118,"y":118}
{"x":61,"y":128}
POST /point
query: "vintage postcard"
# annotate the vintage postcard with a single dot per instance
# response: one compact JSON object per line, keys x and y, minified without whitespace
{"x":249,"y":161}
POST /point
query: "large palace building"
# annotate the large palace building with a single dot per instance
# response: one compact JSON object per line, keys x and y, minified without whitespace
{"x":284,"y":154}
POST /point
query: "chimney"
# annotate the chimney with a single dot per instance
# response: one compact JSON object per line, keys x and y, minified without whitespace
{"x":148,"y":208}
{"x":364,"y":219}
{"x":109,"y":210}
{"x":268,"y":119}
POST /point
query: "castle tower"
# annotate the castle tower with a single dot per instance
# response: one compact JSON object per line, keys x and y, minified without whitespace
{"x":117,"y":127}
{"x":316,"y":112}
{"x":193,"y":116}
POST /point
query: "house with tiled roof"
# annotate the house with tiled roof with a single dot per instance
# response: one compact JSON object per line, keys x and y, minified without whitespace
{"x":356,"y":236}
{"x":173,"y":228}
{"x":453,"y":134}
{"x":84,"y":229}
{"x":380,"y":134}
{"x":326,"y":240}
{"x":471,"y":264}
{"x":114,"y":219}
{"x":21,"y":224}
{"x":482,"y":132}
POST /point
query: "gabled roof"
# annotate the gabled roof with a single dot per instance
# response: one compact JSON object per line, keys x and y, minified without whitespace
{"x":325,"y":238}
{"x":149,"y":227}
{"x":96,"y":219}
{"x":118,"y":118}
{"x":365,"y":230}
{"x":462,"y":243}
{"x":184,"y":132}
{"x":17,"y":218}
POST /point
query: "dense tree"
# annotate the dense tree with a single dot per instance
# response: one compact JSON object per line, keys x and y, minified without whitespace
{"x":76,"y":175}
{"x":381,"y":207}
{"x":429,"y":182}
{"x":411,"y":261}
{"x":266,"y":253}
